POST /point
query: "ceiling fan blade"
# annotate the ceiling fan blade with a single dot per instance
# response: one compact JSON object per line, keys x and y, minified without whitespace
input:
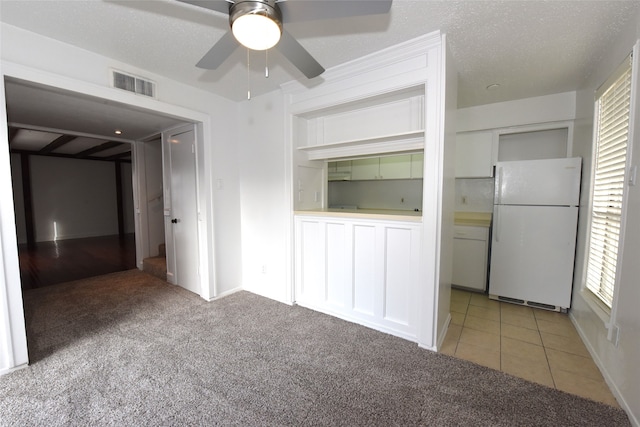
{"x":298,"y":56}
{"x":219,"y":52}
{"x":216,"y":5}
{"x":298,"y":11}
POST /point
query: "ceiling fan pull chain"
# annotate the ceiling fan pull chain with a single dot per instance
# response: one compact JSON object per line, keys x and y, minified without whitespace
{"x":248,"y":77}
{"x":266,"y":63}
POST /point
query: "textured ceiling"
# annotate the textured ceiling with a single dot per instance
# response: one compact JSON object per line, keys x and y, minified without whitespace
{"x":530,"y":48}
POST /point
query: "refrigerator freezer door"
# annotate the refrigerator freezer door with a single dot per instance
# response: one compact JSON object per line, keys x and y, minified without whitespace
{"x":532,"y":253}
{"x":552,"y":182}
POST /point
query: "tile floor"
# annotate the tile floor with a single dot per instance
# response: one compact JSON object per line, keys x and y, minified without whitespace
{"x":534,"y":344}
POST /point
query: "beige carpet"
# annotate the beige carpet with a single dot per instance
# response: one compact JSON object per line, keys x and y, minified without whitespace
{"x":130,"y":349}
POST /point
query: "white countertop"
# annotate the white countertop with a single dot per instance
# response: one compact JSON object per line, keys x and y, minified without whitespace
{"x":387,"y":214}
{"x":478,"y":219}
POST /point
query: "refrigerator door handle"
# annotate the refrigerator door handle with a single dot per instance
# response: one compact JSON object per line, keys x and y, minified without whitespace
{"x":498,"y":200}
{"x":496,"y":223}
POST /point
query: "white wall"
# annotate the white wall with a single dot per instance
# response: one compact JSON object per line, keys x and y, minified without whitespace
{"x":620,"y":365}
{"x":265,"y":212}
{"x":31,"y":57}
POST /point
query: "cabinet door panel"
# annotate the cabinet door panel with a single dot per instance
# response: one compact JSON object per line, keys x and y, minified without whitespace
{"x":474,"y":157}
{"x":395,"y":167}
{"x":469,"y":263}
{"x":362,"y":169}
{"x":364,"y":261}
{"x":417,"y":165}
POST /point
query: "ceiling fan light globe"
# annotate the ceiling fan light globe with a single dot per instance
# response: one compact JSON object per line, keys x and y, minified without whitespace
{"x":257,"y":32}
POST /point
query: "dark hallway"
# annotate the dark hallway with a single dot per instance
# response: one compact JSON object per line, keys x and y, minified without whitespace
{"x":53,"y":262}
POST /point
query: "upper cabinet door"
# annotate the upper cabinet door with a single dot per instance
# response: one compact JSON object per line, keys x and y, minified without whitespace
{"x":362,"y":169}
{"x":474,"y":154}
{"x":395,"y":167}
{"x":417,"y":165}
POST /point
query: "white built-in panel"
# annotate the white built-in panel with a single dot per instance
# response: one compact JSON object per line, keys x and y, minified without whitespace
{"x":338,"y":265}
{"x":364,"y":271}
{"x":372,"y":122}
{"x":397,"y":283}
{"x":312,"y":268}
{"x":364,"y":261}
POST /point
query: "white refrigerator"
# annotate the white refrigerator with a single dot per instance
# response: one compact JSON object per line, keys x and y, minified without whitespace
{"x":535,"y":217}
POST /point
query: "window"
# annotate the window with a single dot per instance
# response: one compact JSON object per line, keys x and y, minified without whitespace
{"x":613,"y":102}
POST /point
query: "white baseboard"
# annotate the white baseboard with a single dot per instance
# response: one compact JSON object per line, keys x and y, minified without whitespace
{"x":605,"y":374}
{"x":16,"y":368}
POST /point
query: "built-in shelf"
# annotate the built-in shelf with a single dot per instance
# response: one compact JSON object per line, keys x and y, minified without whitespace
{"x":399,"y":142}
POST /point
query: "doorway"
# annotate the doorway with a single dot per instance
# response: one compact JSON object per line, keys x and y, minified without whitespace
{"x":85,"y":109}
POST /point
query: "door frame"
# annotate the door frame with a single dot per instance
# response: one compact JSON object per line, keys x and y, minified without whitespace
{"x":12,"y":325}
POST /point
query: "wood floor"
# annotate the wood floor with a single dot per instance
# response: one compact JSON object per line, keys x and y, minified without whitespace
{"x":49,"y":263}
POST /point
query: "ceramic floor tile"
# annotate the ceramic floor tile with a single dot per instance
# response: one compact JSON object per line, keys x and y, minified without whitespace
{"x":485,"y":313}
{"x":551,"y":316}
{"x":528,"y":322}
{"x":482,"y":300}
{"x":481,"y":355}
{"x":480,"y":338}
{"x":518,"y":310}
{"x":579,"y":365}
{"x":457,"y":318}
{"x":566,"y":344}
{"x":520,"y":333}
{"x":481,"y":324}
{"x":583,"y":386}
{"x":564,"y":328}
{"x":461,"y":296}
{"x":458,"y":306}
{"x":524,"y":368}
{"x":454,"y":331}
{"x":523,"y":349}
{"x":449,"y":345}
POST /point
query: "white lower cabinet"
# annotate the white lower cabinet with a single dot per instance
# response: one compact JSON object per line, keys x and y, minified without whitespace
{"x":365,"y":271}
{"x":470,"y":252}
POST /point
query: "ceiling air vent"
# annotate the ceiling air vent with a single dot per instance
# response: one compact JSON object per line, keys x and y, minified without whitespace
{"x":134,"y":84}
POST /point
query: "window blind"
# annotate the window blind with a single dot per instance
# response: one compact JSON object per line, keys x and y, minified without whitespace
{"x":612,"y":130}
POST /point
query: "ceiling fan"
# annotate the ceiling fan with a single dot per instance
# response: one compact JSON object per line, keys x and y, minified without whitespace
{"x":258,"y":25}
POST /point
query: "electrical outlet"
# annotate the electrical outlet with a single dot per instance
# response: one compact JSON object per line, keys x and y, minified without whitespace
{"x":264,"y":269}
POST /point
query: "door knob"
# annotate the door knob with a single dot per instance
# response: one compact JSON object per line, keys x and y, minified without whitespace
{"x":174,"y":221}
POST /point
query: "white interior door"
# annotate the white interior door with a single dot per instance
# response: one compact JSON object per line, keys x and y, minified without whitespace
{"x":181,"y":212}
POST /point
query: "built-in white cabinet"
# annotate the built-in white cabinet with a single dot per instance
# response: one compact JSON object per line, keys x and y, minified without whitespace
{"x":470,"y":257}
{"x":474,"y":154}
{"x":386,"y":123}
{"x":362,"y":270}
{"x":417,"y":165}
{"x":340,"y":166}
{"x":533,"y":144}
{"x":364,"y":169}
{"x":406,"y":166}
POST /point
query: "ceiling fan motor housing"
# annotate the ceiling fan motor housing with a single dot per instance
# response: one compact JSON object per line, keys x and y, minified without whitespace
{"x":266,"y":8}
